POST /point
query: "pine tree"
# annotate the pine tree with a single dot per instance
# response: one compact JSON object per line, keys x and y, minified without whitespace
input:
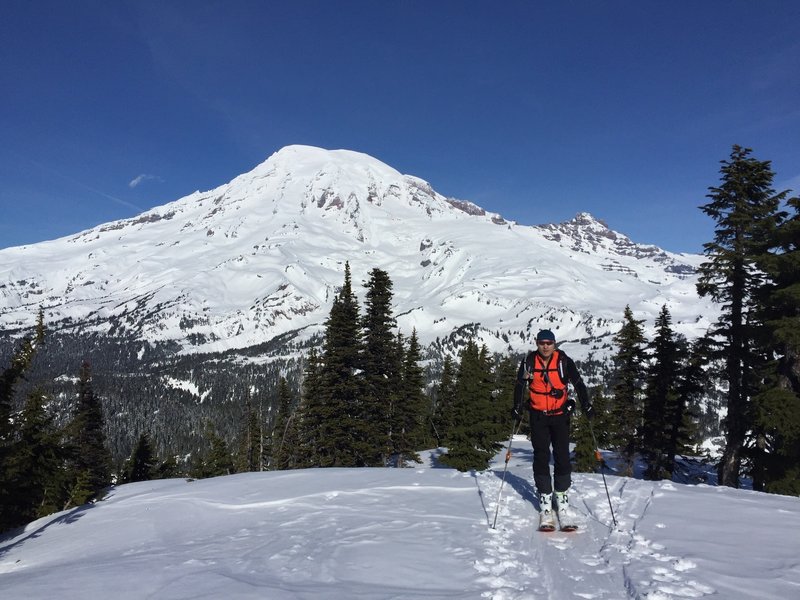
{"x":307,"y":418}
{"x":381,"y":369}
{"x":90,"y":458}
{"x":444,"y":403}
{"x":249,"y":452}
{"x":626,"y":408}
{"x":80,"y":490}
{"x":777,"y":405}
{"x":20,"y":362}
{"x":342,"y":438}
{"x":745,"y":208}
{"x":142,"y":464}
{"x":602,"y":423}
{"x":504,"y":382}
{"x":585,"y":458}
{"x":411,"y":409}
{"x":661,"y":401}
{"x":167,"y":468}
{"x":473,"y":437}
{"x":215,"y":459}
{"x":692,"y":381}
{"x":282,"y":434}
{"x":36,"y":477}
{"x":40,"y":329}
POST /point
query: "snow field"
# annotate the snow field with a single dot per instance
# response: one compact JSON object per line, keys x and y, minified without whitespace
{"x":415,"y":533}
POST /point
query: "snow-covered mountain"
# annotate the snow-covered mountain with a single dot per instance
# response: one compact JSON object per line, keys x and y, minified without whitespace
{"x":264,"y":254}
{"x":407,"y":534}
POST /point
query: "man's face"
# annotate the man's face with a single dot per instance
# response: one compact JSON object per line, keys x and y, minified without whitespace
{"x":546,"y":348}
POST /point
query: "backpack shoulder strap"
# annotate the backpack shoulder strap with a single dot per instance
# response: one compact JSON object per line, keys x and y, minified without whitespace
{"x":528,"y":365}
{"x":562,"y":365}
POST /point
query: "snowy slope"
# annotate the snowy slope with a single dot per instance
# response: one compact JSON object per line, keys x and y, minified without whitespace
{"x":407,"y":533}
{"x":264,"y":254}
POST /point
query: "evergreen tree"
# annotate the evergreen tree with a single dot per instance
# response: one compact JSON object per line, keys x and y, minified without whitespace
{"x":20,"y":362}
{"x":626,"y":408}
{"x":381,"y":369}
{"x":220,"y":461}
{"x":411,"y":408}
{"x":745,"y":208}
{"x":90,"y":458}
{"x":282,"y":434}
{"x":342,"y":438}
{"x":692,"y":381}
{"x":444,"y":403}
{"x":585,"y":459}
{"x":80,"y":490}
{"x":250,"y":439}
{"x":777,"y":416}
{"x":504,"y":382}
{"x":143,"y":464}
{"x":39,"y":330}
{"x":473,"y":437}
{"x":215,"y":459}
{"x":36,"y":477}
{"x":661,"y":401}
{"x":497,"y":414}
{"x":167,"y":468}
{"x":602,"y":423}
{"x":307,"y":418}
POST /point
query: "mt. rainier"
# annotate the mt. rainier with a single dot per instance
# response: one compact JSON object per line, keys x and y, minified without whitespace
{"x":263,"y":255}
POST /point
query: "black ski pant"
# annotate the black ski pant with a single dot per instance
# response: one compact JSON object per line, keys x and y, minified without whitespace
{"x":547,"y":431}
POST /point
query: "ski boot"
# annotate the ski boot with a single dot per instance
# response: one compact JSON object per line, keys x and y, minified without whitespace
{"x":566,"y":516}
{"x":547,"y":520}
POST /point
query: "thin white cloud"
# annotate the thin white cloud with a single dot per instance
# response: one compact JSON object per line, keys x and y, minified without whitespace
{"x":74,"y":181}
{"x":142,"y":178}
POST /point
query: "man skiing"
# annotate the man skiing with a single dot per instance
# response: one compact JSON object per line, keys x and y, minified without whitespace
{"x":542,"y":390}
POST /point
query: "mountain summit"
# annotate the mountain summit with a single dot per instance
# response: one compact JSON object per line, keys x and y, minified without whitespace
{"x":263,"y":255}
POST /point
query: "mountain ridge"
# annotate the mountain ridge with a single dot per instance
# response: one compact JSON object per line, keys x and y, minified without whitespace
{"x":264,"y":254}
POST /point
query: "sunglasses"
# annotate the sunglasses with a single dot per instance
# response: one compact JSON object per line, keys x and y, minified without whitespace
{"x":545,"y":343}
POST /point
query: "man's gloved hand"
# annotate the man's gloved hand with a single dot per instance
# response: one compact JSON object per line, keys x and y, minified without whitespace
{"x":588,"y":410}
{"x":569,"y":406}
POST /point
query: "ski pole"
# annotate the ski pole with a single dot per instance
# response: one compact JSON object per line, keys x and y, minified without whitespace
{"x":602,"y":462}
{"x":502,"y":483}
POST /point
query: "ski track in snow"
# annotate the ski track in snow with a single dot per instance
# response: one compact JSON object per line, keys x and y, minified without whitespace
{"x":598,"y":561}
{"x":406,"y":534}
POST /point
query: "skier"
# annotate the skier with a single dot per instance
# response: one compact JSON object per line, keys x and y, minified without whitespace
{"x":541,"y":389}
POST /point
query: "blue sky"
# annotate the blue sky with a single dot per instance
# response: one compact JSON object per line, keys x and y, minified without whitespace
{"x":536,"y":110}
